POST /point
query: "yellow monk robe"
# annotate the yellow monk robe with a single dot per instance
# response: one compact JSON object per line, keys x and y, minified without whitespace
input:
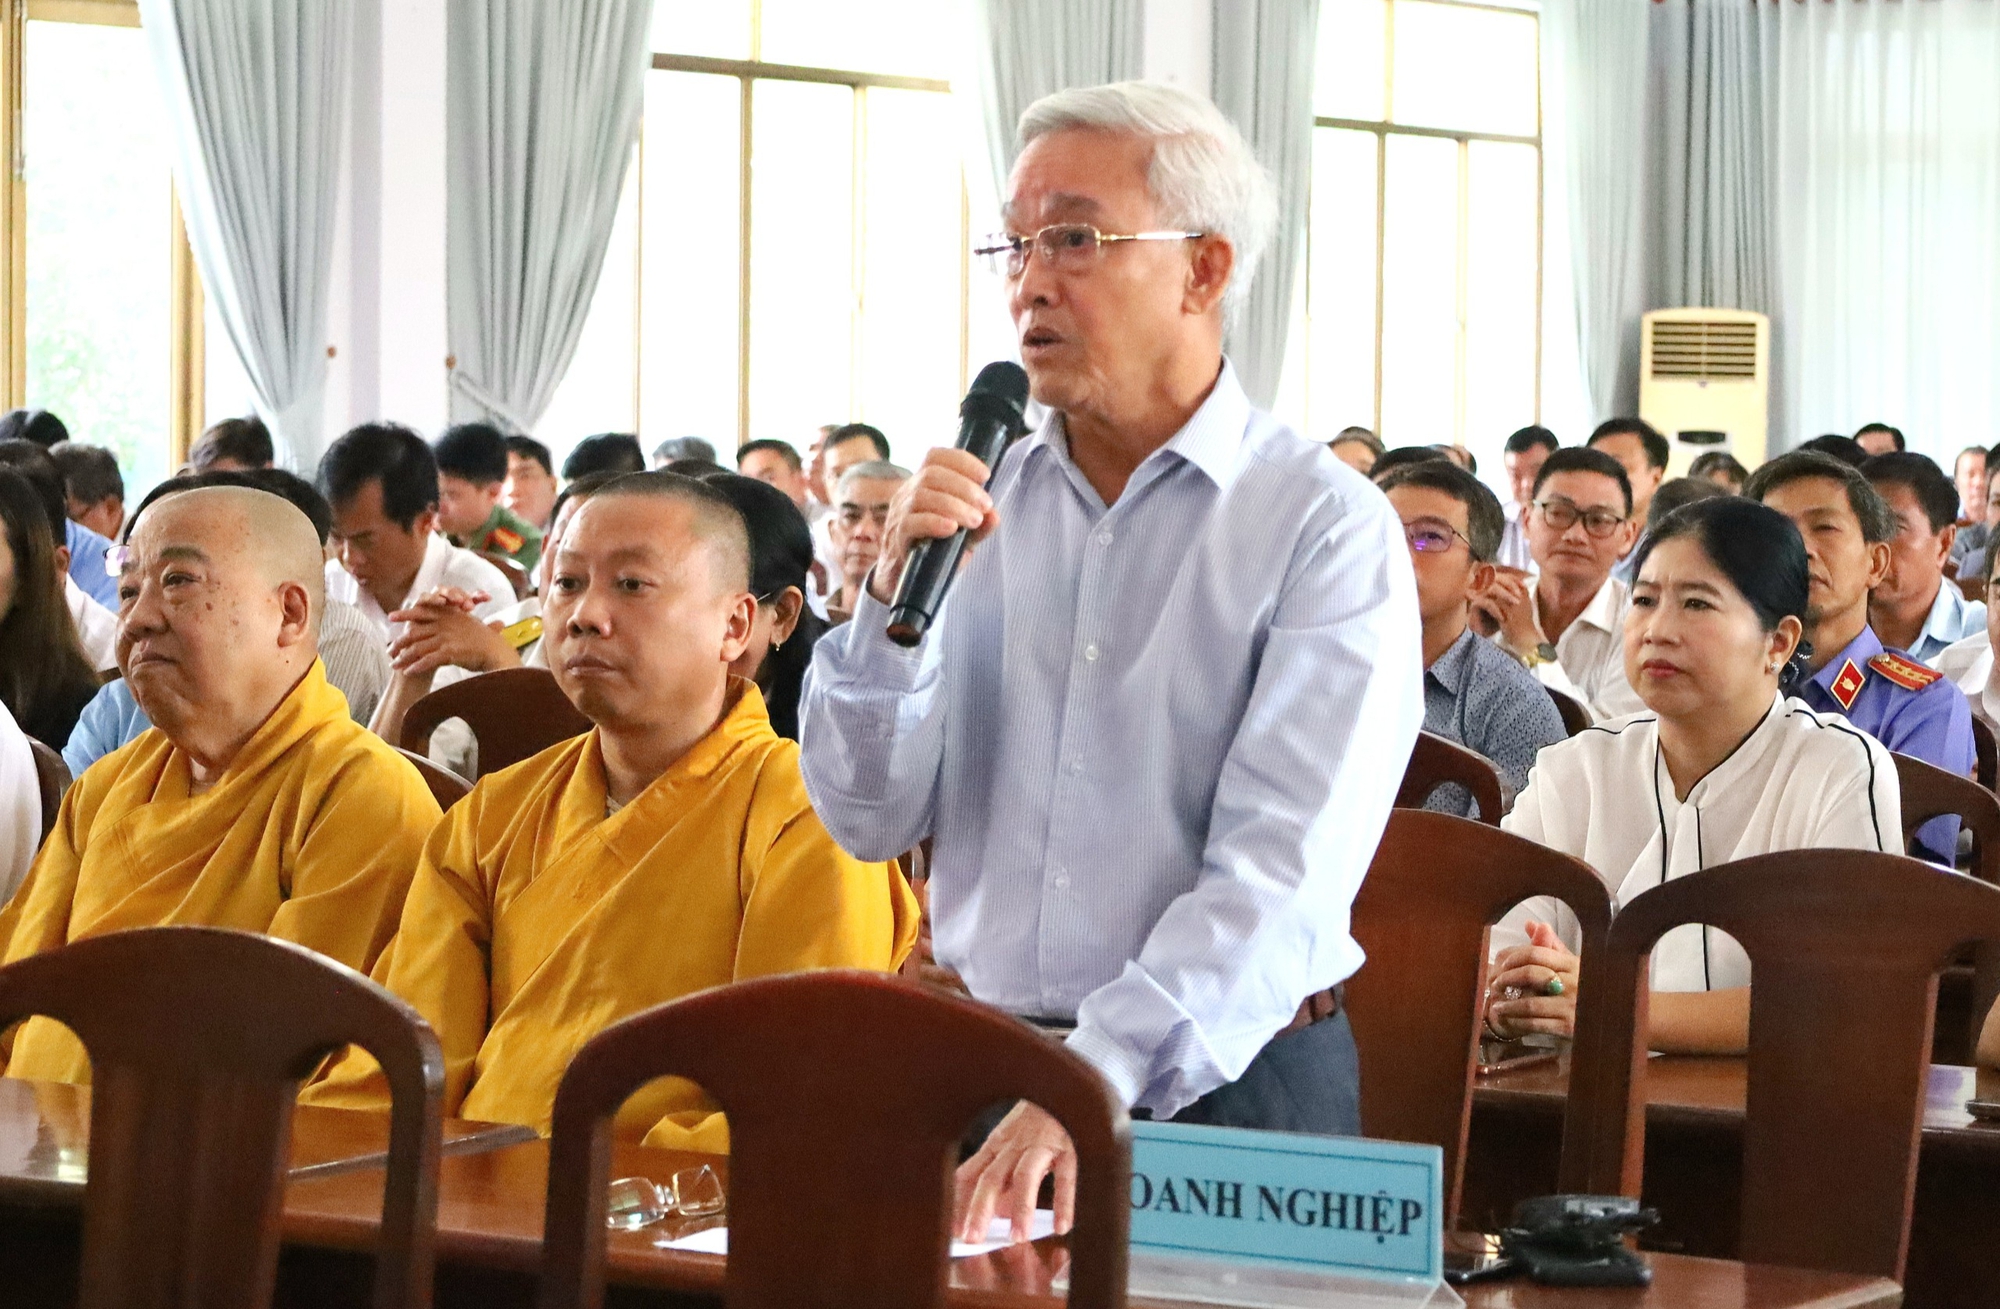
{"x":535,"y":921}
{"x":311,"y":834}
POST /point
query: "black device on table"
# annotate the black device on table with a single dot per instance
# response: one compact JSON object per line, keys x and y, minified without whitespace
{"x":1564,"y":1240}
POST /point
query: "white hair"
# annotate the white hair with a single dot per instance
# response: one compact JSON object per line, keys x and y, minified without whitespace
{"x":875,"y":470}
{"x":1202,"y":176}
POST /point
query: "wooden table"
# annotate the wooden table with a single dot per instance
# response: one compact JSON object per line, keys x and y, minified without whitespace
{"x":1694,"y":1167}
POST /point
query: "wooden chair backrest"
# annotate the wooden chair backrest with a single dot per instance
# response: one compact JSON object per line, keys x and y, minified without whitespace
{"x":199,"y":1039}
{"x":518,"y":577}
{"x":1846,"y":946}
{"x":1987,"y":770}
{"x":447,"y":787}
{"x":514,"y":714}
{"x":1575,"y":717}
{"x":1423,"y":913}
{"x":52,"y":775}
{"x":847,"y":1094}
{"x":1930,"y":792}
{"x":1436,"y":762}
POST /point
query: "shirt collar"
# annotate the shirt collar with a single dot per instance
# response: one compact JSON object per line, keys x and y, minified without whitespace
{"x":1860,"y":650}
{"x":430,"y":573}
{"x":1945,"y":620}
{"x":1211,"y":438}
{"x":1449,"y":669}
{"x":1603,"y":612}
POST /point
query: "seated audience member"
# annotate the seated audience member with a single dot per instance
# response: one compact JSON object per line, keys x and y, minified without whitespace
{"x":382,"y":482}
{"x":1402,"y":457}
{"x":844,"y":447}
{"x":471,"y":471}
{"x":1642,"y":452}
{"x":1721,"y":468}
{"x":1884,"y":692}
{"x":256,"y":803}
{"x":669,"y":850}
{"x":782,"y":640}
{"x":1723,"y":767}
{"x":1968,"y":477}
{"x":36,"y":425}
{"x":95,"y":487}
{"x":676,"y":448}
{"x":1357,"y":447}
{"x":20,"y":805}
{"x":86,"y":549}
{"x":1523,"y":456}
{"x":234,"y":445}
{"x":1565,"y":623}
{"x":1880,"y":439}
{"x":349,"y":649}
{"x":607,"y":452}
{"x":45,"y":681}
{"x":1675,"y":492}
{"x":1968,"y":664}
{"x":96,"y":625}
{"x":1915,"y":607}
{"x":1474,"y":692}
{"x":530,"y":488}
{"x":860,"y":509}
{"x":777,"y":463}
{"x":1844,"y":448}
{"x":1969,"y":554}
{"x":1461,"y":456}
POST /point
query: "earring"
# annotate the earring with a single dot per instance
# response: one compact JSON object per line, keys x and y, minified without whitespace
{"x":777,"y":646}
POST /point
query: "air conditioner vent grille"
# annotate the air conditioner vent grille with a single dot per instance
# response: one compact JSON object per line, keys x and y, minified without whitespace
{"x":1704,"y":349}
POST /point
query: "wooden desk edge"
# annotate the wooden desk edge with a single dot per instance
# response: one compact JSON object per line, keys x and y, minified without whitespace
{"x":492,"y":1137}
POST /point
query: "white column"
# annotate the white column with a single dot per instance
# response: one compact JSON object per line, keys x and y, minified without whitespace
{"x":410,"y":341}
{"x":1178,"y":41}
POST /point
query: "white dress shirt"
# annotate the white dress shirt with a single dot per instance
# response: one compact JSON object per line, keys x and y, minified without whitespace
{"x":444,"y":565}
{"x":20,"y":805}
{"x":1590,"y":654}
{"x":1952,"y":619}
{"x":1156,"y":743}
{"x":357,"y":663}
{"x":1968,"y":665}
{"x":96,"y":627}
{"x":1802,"y":781}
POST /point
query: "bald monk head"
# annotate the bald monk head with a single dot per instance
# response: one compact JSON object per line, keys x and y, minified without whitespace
{"x":649,"y":603}
{"x":218,"y":618}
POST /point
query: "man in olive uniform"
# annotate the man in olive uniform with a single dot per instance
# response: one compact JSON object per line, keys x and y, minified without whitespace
{"x":472,"y":470}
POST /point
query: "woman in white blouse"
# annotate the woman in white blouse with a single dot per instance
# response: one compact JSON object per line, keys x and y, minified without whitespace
{"x":1719,"y":768}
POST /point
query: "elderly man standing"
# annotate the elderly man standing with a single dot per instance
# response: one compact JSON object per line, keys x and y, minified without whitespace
{"x":256,"y":802}
{"x":1152,"y":730}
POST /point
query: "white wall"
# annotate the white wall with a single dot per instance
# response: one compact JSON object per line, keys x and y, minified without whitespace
{"x":1178,"y":42}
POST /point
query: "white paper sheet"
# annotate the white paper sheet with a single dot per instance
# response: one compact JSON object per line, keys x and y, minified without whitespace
{"x":715,"y":1240}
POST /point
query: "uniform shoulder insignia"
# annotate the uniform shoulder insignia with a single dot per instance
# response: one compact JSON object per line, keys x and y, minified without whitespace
{"x":505,"y":540}
{"x":522,"y":634}
{"x":1904,"y":671}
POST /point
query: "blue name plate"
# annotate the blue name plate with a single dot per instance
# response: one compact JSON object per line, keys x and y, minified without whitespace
{"x":1372,"y":1208}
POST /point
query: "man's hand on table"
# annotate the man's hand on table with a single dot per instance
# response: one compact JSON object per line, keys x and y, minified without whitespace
{"x":1004,"y":1178}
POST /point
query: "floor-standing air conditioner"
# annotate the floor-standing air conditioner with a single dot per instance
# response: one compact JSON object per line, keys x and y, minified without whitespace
{"x":1704,"y":382}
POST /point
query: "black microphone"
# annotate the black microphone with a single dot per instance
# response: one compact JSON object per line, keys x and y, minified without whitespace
{"x":989,"y":418}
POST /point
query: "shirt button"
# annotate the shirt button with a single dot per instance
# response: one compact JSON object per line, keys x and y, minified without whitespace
{"x":1104,"y":538}
{"x":1090,"y":652}
{"x":1062,"y":882}
{"x":1076,"y":765}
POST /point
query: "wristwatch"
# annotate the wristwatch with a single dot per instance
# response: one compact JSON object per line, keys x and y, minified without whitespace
{"x":1545,"y":653}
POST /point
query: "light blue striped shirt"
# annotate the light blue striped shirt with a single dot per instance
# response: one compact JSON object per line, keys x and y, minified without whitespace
{"x":1156,"y":743}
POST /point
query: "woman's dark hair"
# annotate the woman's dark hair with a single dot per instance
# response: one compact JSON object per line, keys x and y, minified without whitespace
{"x":45,"y":679}
{"x":781,"y":556}
{"x":1754,"y":545}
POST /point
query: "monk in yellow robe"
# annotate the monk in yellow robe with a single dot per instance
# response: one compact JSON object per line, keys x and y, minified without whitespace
{"x":255,"y":801}
{"x":668,"y":850}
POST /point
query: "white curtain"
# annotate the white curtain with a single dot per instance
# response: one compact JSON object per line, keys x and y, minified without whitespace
{"x":1025,"y":49}
{"x":256,"y":95}
{"x":1263,"y":56}
{"x":1594,"y":52}
{"x":1885,"y":146}
{"x":542,"y":109}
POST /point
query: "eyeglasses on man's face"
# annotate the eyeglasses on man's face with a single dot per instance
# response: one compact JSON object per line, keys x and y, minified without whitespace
{"x":1433,"y":535}
{"x":1065,"y":247}
{"x":1562,"y":515}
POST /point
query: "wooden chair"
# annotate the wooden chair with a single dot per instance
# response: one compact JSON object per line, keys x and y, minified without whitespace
{"x":1423,"y":916}
{"x":518,"y":577}
{"x":53,"y":776}
{"x":847,"y":1094}
{"x":514,"y":714}
{"x":1575,"y":717}
{"x":1437,"y":762}
{"x":1931,"y":792}
{"x":1846,"y":946}
{"x":198,"y":1040}
{"x":1987,"y":770}
{"x":447,"y":787}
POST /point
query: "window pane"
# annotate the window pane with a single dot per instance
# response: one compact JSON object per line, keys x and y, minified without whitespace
{"x":596,"y":394}
{"x":689,"y":278}
{"x":1420,"y":292}
{"x":1340,"y":284}
{"x":911,"y":37}
{"x":912,"y":254}
{"x":1347,"y":81}
{"x":1459,"y":67}
{"x":100,"y":260}
{"x":1499,"y":294}
{"x":802,"y":293}
{"x":719,"y":29}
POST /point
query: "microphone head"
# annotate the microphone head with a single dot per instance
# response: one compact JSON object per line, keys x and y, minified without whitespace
{"x":1002,"y":380}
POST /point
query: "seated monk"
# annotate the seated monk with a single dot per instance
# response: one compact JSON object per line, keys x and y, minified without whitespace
{"x":255,"y":801}
{"x":668,"y":850}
